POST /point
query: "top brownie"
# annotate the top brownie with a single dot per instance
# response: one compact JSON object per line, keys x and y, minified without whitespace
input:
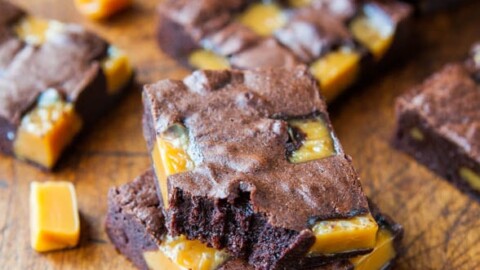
{"x":257,"y":142}
{"x":237,"y":125}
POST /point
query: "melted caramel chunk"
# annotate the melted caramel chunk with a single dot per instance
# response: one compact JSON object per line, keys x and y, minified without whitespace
{"x":46,"y":130}
{"x":117,"y":70}
{"x":417,"y":134}
{"x":170,"y":156}
{"x":263,"y":19}
{"x":373,"y":30}
{"x":157,"y":260}
{"x":54,"y":219}
{"x":471,"y":177}
{"x":192,"y":254}
{"x":32,"y":30}
{"x":299,"y":3}
{"x":346,"y":235}
{"x":336,"y":71}
{"x":381,"y":255}
{"x":204,"y":59}
{"x":318,"y":142}
{"x":101,"y":9}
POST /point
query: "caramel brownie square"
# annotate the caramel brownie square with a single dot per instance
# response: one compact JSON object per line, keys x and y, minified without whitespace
{"x":55,"y":79}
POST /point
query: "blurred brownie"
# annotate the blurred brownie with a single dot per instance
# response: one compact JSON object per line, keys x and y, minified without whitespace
{"x":341,"y":41}
{"x":435,"y":5}
{"x":438,"y":123}
{"x":56,"y":79}
{"x":135,"y":227}
{"x":231,"y":147}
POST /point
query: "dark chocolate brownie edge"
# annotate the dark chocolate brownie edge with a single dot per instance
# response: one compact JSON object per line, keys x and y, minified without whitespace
{"x":134,"y":220}
{"x":402,"y":41}
{"x":434,"y":151}
{"x":174,"y":41}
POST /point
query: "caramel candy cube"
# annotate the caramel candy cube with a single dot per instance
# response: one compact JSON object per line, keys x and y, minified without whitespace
{"x":54,"y":218}
{"x":317,"y":144}
{"x":32,"y":30}
{"x":192,"y":254}
{"x":170,"y":156}
{"x":381,"y":255}
{"x":157,"y":260}
{"x":263,"y":19}
{"x":344,"y":235}
{"x":374,"y":30}
{"x":207,"y":60}
{"x":299,"y":3}
{"x":471,"y":177}
{"x":336,"y":71}
{"x":46,"y":130}
{"x":117,"y":70}
{"x":101,"y":9}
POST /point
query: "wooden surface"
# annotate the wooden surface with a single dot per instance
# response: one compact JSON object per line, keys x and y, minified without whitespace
{"x":442,"y":225}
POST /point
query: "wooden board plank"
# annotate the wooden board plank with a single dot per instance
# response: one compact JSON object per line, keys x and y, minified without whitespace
{"x":441,"y":223}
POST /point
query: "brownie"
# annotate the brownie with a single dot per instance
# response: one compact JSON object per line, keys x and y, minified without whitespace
{"x":67,"y":62}
{"x":310,"y":32}
{"x":238,"y":134}
{"x":438,"y":123}
{"x":134,"y":225}
{"x":134,"y":221}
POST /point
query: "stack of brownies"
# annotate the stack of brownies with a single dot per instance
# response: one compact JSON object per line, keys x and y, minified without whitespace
{"x":247,"y":174}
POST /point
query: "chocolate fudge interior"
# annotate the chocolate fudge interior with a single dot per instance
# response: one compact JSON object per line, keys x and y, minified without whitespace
{"x":247,"y":161}
{"x":338,"y":39}
{"x":438,"y":123}
{"x":55,"y":79}
{"x":136,"y":228}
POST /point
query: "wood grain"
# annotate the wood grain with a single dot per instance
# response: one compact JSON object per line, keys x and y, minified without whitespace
{"x":442,"y":224}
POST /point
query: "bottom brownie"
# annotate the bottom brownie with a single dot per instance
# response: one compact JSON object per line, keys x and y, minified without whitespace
{"x":135,"y":226}
{"x":132,"y":210}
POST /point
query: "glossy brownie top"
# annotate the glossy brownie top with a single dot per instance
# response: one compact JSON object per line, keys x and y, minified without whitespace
{"x":238,"y":136}
{"x":449,"y":101}
{"x":66,"y":61}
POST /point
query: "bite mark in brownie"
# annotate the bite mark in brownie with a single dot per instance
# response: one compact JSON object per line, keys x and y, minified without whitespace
{"x":438,"y":123}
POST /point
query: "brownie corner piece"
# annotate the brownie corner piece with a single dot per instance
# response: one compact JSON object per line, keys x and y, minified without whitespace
{"x":438,"y":123}
{"x":219,"y":163}
{"x":56,"y":79}
{"x":134,"y":220}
